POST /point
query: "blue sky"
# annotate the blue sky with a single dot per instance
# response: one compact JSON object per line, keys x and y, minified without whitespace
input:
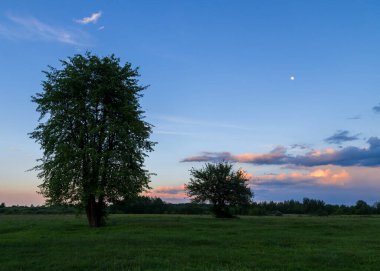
{"x":219,"y":75}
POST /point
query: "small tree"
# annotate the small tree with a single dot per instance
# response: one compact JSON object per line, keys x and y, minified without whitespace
{"x":92,"y":134}
{"x":221,"y":186}
{"x":362,"y":208}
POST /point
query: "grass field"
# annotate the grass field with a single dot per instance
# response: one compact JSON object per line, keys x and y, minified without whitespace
{"x":169,"y":242}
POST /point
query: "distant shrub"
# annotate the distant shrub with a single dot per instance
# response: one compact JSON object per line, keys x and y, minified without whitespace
{"x":147,"y":205}
{"x":362,"y":208}
{"x":277,"y":213}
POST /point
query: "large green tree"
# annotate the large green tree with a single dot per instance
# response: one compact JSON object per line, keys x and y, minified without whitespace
{"x":220,"y":185}
{"x":92,"y":134}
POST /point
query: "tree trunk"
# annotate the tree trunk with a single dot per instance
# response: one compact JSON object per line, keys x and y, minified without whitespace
{"x":95,"y":211}
{"x":221,"y":210}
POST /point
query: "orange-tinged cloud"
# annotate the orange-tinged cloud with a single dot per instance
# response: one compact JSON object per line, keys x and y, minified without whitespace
{"x":168,"y":193}
{"x":245,"y":157}
{"x":275,"y":154}
{"x":328,"y":177}
{"x":166,"y":189}
{"x":317,"y":153}
{"x":345,"y":157}
{"x":318,"y":176}
{"x":246,"y":175}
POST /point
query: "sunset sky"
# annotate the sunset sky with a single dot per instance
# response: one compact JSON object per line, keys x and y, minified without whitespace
{"x":289,"y":91}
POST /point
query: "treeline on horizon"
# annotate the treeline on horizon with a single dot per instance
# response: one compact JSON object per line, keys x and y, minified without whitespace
{"x":148,"y":205}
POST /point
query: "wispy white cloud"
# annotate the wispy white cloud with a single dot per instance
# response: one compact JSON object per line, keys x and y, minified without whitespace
{"x":101,"y":28}
{"x":175,"y":133}
{"x":356,"y":117}
{"x":30,"y":28}
{"x":91,"y":19}
{"x":5,"y":32}
{"x":197,"y":122}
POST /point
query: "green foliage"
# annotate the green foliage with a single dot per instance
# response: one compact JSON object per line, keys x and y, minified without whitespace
{"x":40,"y":210}
{"x":362,"y":208}
{"x":92,"y":134}
{"x":312,"y":207}
{"x":220,"y":185}
{"x":172,"y":242}
{"x":139,"y":205}
{"x":147,"y":205}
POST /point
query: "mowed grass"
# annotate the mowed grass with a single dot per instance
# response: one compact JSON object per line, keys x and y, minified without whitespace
{"x":171,"y":242}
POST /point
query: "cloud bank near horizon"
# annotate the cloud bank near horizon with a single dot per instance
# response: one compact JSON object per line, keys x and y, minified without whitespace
{"x":172,"y":194}
{"x":309,"y":182}
{"x":318,"y":176}
{"x":348,"y":156}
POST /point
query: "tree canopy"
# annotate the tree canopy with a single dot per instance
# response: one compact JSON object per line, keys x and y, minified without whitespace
{"x":221,"y":186}
{"x":92,"y":133}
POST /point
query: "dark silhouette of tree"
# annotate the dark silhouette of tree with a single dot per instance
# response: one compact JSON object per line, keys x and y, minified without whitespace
{"x":139,"y":205}
{"x":92,"y":134}
{"x":221,"y":186}
{"x":376,"y":207}
{"x":314,"y":206}
{"x":362,"y":208}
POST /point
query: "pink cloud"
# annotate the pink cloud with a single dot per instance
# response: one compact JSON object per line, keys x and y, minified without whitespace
{"x":169,"y":193}
{"x":317,"y":153}
{"x":364,"y":177}
{"x":276,"y":154}
{"x":318,"y":176}
{"x":345,"y":157}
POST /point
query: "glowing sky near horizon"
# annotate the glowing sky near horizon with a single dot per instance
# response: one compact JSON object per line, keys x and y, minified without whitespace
{"x":287,"y":90}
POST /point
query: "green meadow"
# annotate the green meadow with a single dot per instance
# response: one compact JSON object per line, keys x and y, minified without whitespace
{"x":179,"y":242}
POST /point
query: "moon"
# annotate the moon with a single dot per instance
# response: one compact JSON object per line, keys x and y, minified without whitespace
{"x":292,"y":78}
